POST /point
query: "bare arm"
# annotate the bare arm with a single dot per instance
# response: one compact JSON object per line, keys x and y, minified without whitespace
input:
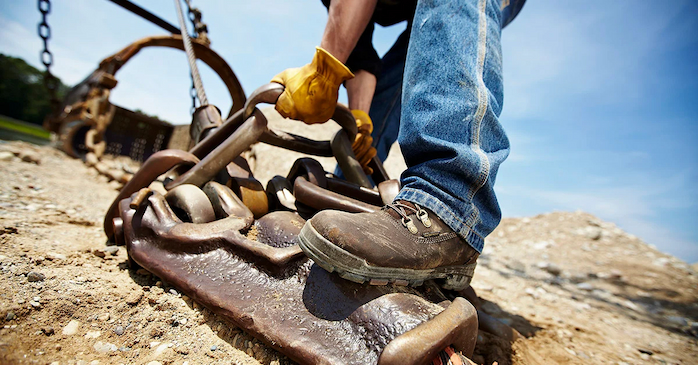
{"x":360,"y":90}
{"x":347,"y":20}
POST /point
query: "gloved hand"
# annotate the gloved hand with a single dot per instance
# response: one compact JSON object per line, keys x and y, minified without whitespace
{"x":362,"y":143}
{"x":312,"y":90}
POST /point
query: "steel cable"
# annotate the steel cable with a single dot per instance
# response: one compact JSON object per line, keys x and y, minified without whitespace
{"x":198,"y":85}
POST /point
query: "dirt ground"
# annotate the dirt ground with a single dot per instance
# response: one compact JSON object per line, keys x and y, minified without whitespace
{"x":579,"y":289}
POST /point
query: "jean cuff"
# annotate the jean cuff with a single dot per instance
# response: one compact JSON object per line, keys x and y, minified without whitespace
{"x":447,"y":215}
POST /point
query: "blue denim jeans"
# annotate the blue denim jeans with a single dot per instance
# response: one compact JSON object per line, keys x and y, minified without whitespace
{"x":440,"y":94}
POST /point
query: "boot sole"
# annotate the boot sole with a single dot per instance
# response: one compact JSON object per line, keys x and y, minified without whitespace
{"x":351,"y":267}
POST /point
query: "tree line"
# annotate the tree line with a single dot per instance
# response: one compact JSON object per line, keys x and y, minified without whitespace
{"x":22,"y":92}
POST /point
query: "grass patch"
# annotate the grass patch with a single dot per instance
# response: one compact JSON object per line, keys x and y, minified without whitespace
{"x":25,"y":128}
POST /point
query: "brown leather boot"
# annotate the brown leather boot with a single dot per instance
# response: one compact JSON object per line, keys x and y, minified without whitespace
{"x":402,"y":244}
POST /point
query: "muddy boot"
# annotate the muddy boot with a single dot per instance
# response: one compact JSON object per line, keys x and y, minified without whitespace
{"x":402,"y":244}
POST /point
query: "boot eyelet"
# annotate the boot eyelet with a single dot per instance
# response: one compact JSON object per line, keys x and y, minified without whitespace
{"x":407,"y":222}
{"x":424,"y":217}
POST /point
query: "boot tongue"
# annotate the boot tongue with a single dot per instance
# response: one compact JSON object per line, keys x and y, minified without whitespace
{"x":397,"y":215}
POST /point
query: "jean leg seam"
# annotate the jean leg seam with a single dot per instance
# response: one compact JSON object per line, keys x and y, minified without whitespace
{"x":481,"y":110}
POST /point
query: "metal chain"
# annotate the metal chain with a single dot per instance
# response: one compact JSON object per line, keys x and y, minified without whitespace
{"x":192,"y":93}
{"x":50,"y":81}
{"x":200,"y":28}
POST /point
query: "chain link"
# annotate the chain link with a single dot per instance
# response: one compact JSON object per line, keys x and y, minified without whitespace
{"x":192,"y":93}
{"x":50,"y":81}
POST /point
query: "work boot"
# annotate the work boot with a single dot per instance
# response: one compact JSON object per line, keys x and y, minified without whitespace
{"x":402,"y":243}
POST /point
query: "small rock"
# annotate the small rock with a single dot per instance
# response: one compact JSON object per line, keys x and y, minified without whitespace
{"x":550,"y":268}
{"x":119,"y":330}
{"x":99,"y":346}
{"x":35,"y":276}
{"x":214,"y":348}
{"x":35,"y":304}
{"x":99,"y":253}
{"x":161,"y":349}
{"x":585,"y":286}
{"x":48,"y":331}
{"x":593,"y":233}
{"x":112,"y":250}
{"x":154,"y":363}
{"x":173,"y":292}
{"x":6,"y":156}
{"x":92,"y":334}
{"x":10,"y":316}
{"x":30,"y":156}
{"x":71,"y":328}
{"x":645,"y":351}
{"x":134,"y":298}
{"x":680,"y":321}
{"x":53,"y":256}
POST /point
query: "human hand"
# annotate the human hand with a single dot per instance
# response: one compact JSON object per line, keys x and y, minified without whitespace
{"x":311,"y":91}
{"x":363,"y":150}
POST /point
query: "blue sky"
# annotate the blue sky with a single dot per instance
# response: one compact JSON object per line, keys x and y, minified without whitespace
{"x":601,"y":97}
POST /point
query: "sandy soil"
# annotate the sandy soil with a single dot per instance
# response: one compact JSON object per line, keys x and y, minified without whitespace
{"x":580,"y":290}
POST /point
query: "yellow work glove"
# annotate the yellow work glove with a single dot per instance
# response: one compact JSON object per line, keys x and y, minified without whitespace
{"x":312,"y":90}
{"x":362,"y":143}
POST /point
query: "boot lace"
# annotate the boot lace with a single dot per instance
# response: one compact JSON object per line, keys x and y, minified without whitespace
{"x":407,"y":222}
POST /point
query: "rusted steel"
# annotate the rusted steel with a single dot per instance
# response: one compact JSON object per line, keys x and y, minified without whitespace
{"x":239,"y":168}
{"x":264,"y":284}
{"x":296,"y":143}
{"x":158,"y":164}
{"x":388,"y":190}
{"x":309,"y":168}
{"x":267,"y":94}
{"x":118,"y":225}
{"x":205,"y":119}
{"x":456,"y":325}
{"x":279,"y":190}
{"x":218,"y":136}
{"x":319,"y":198}
{"x":192,"y":204}
{"x":203,"y":52}
{"x":361,"y":193}
{"x":470,"y":295}
{"x":140,"y":197}
{"x":219,"y":157}
{"x":379,"y":174}
{"x":350,"y":166}
{"x":251,"y":193}
{"x":225,"y":203}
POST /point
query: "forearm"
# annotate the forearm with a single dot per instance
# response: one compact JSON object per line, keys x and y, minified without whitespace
{"x":360,"y":90}
{"x":346,"y":21}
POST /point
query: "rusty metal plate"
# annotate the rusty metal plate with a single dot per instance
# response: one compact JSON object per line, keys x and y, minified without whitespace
{"x":257,"y":277}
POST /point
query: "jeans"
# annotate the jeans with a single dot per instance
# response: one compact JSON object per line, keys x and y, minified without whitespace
{"x":444,"y":109}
